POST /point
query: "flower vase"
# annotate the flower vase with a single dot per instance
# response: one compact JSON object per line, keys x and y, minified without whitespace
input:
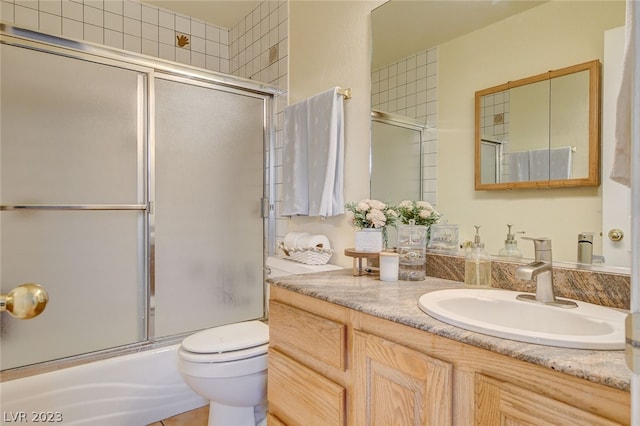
{"x":369,"y":240}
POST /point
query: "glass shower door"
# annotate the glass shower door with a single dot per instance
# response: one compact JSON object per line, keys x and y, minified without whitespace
{"x":208,"y":228}
{"x":73,"y":196}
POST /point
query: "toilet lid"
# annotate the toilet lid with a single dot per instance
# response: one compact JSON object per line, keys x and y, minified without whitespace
{"x":226,"y":338}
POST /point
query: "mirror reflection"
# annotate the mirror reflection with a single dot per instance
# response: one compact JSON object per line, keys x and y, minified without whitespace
{"x":541,"y":131}
{"x":396,"y":157}
{"x":434,"y":78}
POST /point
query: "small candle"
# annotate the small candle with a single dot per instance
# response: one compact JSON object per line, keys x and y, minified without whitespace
{"x":389,"y":263}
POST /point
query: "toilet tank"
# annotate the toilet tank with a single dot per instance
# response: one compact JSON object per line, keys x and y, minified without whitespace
{"x":279,"y":266}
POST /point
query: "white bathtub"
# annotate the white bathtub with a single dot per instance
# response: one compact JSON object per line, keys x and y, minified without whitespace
{"x":129,"y":390}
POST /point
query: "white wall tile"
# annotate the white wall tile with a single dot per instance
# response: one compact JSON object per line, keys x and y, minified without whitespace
{"x":50,"y":24}
{"x":29,"y":4}
{"x":166,"y":36}
{"x":113,"y":22}
{"x":150,"y":31}
{"x":25,"y":16}
{"x":72,"y":10}
{"x":150,"y":15}
{"x":114,"y":6}
{"x":72,"y":28}
{"x":167,"y":51}
{"x":7,"y":12}
{"x":132,"y":27}
{"x":166,"y":19}
{"x":93,"y":16}
{"x":93,"y":33}
{"x":113,"y":38}
{"x":132,"y":43}
{"x":132,"y":9}
{"x":53,"y":7}
{"x":183,"y":24}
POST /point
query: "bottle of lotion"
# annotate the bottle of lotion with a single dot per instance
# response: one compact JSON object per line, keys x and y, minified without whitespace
{"x":477,"y":265}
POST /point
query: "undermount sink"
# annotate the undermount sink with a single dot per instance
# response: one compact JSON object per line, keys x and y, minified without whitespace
{"x":498,"y":313}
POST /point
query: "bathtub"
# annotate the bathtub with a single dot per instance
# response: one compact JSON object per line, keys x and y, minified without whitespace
{"x":130,"y":390}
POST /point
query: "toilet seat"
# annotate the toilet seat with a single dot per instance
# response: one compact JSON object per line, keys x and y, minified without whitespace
{"x":223,"y":356}
{"x":226,"y":343}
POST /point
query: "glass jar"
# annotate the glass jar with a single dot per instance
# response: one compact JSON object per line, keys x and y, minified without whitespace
{"x":412,"y":245}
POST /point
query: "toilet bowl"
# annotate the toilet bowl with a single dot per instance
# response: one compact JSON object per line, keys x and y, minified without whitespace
{"x":227,"y":365}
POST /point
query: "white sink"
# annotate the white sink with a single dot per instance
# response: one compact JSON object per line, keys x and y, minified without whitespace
{"x":498,"y":313}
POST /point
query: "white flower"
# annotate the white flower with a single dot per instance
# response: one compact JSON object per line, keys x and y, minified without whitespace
{"x":363,"y":206}
{"x":424,"y":214}
{"x":424,"y":205}
{"x":378,"y":205}
{"x":377,"y":218}
{"x":406,"y":204}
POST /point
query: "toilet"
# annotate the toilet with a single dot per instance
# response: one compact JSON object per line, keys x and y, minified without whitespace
{"x":227,"y":365}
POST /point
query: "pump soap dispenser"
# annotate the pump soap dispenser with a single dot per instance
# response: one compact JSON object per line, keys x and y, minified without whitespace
{"x":510,"y":248}
{"x":477,"y":265}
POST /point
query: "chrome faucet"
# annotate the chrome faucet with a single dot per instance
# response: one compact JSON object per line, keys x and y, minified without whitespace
{"x":540,"y":271}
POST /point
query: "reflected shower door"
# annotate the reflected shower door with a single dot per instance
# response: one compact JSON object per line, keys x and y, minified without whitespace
{"x":72,"y":139}
{"x":209,"y":165}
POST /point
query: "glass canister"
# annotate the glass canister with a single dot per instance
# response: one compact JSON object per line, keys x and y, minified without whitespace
{"x":412,"y":245}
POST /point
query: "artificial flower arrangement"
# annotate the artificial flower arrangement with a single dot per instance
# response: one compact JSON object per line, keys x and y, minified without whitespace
{"x":372,"y":214}
{"x":420,"y":212}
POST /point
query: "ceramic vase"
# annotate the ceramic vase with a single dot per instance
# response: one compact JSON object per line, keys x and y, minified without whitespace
{"x":369,"y":240}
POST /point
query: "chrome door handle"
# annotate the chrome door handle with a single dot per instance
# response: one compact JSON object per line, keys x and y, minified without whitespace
{"x":25,"y":301}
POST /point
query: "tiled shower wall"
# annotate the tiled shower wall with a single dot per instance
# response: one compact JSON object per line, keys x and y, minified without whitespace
{"x":409,"y":87}
{"x":255,"y":48}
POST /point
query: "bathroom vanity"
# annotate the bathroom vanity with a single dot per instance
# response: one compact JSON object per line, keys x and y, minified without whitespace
{"x":348,"y":350}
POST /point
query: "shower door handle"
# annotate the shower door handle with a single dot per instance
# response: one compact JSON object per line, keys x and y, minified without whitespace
{"x":25,"y":301}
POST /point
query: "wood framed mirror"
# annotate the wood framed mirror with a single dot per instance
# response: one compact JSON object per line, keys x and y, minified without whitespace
{"x":540,"y":132}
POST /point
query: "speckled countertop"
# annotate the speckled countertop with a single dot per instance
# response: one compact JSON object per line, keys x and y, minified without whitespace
{"x":398,"y":302}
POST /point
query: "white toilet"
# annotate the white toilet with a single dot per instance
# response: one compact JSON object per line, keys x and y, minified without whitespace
{"x":228,"y":364}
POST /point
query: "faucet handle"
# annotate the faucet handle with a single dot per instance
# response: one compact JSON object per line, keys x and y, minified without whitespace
{"x":542,"y":246}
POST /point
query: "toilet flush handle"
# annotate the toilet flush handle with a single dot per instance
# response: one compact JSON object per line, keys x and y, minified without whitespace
{"x":25,"y":301}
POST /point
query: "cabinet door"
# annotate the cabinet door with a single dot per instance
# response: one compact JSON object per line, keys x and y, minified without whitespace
{"x":299,"y":396}
{"x":502,"y":403}
{"x":396,"y":385}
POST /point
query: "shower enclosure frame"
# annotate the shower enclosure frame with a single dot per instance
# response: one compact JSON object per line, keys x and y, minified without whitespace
{"x":152,"y":68}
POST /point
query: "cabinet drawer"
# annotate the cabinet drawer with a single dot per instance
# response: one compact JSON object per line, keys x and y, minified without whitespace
{"x":308,"y":334}
{"x":299,"y":396}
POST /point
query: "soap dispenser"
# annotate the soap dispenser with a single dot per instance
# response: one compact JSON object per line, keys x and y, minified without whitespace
{"x":477,"y":265}
{"x":510,"y":248}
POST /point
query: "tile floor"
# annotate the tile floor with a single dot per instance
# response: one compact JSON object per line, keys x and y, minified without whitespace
{"x":197,"y":417}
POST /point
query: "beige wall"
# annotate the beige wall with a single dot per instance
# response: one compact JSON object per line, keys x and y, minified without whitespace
{"x":329,"y":46}
{"x":554,"y":35}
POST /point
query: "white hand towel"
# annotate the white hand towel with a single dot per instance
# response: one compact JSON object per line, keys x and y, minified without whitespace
{"x":539,"y":164}
{"x":313,"y":156}
{"x":621,"y":171}
{"x":519,"y":166}
{"x":560,"y":163}
{"x":326,"y":153}
{"x":295,"y":184}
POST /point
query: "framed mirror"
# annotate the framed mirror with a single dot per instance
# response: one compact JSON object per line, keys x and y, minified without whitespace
{"x":540,"y":132}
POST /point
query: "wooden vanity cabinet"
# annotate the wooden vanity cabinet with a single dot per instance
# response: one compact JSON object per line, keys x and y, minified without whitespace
{"x":330,"y":365}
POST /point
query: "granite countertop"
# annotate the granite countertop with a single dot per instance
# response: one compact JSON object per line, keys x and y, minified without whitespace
{"x":398,"y":302}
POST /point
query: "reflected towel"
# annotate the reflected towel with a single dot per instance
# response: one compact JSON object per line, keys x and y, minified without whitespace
{"x":560,"y":163}
{"x":518,"y":166}
{"x":621,"y":171}
{"x":539,"y":164}
{"x":313,"y":156}
{"x":295,"y":185}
